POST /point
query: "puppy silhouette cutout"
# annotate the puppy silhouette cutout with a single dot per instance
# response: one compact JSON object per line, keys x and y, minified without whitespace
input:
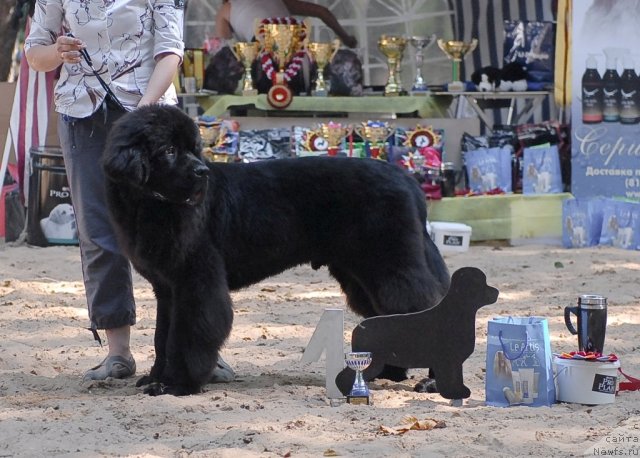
{"x":440,"y":338}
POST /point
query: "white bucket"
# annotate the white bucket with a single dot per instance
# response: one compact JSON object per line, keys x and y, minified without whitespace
{"x":450,"y":237}
{"x":586,"y":382}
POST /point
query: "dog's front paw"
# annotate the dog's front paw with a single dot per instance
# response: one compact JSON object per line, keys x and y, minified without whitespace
{"x":426,"y":385}
{"x":145,"y":380}
{"x":159,"y":389}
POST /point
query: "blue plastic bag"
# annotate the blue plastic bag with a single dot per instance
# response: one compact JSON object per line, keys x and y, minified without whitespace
{"x":582,"y":221}
{"x":541,"y":170}
{"x":519,"y":363}
{"x":489,"y":169}
{"x":621,"y":224}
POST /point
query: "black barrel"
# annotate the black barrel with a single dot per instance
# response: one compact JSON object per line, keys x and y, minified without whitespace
{"x":50,"y":215}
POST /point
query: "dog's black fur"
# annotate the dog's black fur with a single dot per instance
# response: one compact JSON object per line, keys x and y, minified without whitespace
{"x":440,"y":338}
{"x":196,"y":231}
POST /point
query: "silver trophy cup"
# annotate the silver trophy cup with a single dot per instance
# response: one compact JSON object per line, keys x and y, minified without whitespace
{"x":420,"y":44}
{"x":358,"y":361}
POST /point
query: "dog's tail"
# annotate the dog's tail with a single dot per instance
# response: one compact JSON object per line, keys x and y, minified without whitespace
{"x":441,"y":279}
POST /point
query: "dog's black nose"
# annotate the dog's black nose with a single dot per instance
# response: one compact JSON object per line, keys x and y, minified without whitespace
{"x":200,"y":170}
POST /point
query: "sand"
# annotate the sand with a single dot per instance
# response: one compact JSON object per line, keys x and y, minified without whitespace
{"x":278,"y":405}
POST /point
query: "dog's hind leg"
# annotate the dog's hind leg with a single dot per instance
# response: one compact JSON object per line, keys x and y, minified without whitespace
{"x":357,"y":298}
{"x":360,"y":302}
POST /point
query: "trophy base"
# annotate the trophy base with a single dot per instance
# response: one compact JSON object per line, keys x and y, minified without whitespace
{"x":319,"y":93}
{"x":419,"y":91}
{"x":247,"y":92}
{"x":358,"y":399}
{"x":455,"y":86}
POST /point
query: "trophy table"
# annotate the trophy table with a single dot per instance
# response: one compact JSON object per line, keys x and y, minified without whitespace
{"x":456,"y":50}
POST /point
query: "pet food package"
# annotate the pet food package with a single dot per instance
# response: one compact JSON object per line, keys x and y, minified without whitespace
{"x":621,"y":224}
{"x":519,"y":363}
{"x":541,"y":170}
{"x":489,"y":169}
{"x":258,"y":145}
{"x":532,"y":45}
{"x":582,"y":221}
{"x":51,"y":218}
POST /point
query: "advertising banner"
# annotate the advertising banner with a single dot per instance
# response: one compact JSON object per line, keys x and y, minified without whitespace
{"x":606,"y":99}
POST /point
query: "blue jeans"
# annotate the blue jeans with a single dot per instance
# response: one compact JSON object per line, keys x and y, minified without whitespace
{"x":106,"y":272}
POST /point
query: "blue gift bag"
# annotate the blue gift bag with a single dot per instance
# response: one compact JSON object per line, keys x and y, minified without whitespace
{"x":519,"y":363}
{"x":621,"y":224}
{"x":489,"y":169}
{"x":541,"y":170}
{"x":582,"y":221}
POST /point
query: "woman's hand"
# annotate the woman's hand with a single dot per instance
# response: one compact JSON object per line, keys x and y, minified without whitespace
{"x":68,"y":49}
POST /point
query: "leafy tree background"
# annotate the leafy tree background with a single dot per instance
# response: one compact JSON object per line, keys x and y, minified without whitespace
{"x":13,"y":15}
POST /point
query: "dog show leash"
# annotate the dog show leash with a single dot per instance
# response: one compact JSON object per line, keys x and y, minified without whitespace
{"x":85,"y":55}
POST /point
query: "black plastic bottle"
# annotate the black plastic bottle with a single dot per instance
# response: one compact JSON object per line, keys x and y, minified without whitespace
{"x":591,"y":93}
{"x":611,"y":89}
{"x":629,"y":100}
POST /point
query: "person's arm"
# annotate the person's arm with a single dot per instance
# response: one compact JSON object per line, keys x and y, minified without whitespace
{"x":65,"y":50}
{"x":223,"y":22}
{"x":161,"y":78}
{"x":302,"y":8}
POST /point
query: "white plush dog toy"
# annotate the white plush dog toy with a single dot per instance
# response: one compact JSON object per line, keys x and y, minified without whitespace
{"x":60,"y":224}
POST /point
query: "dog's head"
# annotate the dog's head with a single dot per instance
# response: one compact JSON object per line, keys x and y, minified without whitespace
{"x":62,"y":214}
{"x":157,"y":150}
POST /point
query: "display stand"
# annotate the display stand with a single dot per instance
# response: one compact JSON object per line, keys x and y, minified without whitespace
{"x":481,"y":101}
{"x":515,"y":217}
{"x":421,"y":106}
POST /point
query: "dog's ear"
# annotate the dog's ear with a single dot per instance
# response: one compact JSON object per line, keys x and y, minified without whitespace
{"x":128,"y":164}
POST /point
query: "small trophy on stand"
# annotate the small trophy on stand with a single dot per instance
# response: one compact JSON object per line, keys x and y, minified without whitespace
{"x":322,"y":54}
{"x":246,"y":53}
{"x":334,"y":133}
{"x":456,"y":50}
{"x":358,"y":361}
{"x":375,"y":133}
{"x":420,"y":44}
{"x":393,"y":48}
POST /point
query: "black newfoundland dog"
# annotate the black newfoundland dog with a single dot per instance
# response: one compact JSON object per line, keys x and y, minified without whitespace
{"x":196,"y":231}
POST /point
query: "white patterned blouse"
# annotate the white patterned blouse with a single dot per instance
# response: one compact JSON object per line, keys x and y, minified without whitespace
{"x":122,"y":37}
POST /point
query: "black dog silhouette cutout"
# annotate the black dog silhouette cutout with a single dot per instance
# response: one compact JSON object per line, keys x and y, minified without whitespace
{"x":440,"y":338}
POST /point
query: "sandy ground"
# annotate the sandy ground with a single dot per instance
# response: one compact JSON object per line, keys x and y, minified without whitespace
{"x":278,"y":405}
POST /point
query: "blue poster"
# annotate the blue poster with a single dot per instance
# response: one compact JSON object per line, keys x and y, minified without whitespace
{"x":605,"y":107}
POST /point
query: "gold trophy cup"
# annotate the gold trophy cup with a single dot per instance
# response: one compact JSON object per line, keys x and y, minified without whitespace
{"x":375,"y":133}
{"x":281,"y":42}
{"x":456,"y":50}
{"x":334,"y":133}
{"x":246,"y":53}
{"x":393,"y":48}
{"x":322,"y":54}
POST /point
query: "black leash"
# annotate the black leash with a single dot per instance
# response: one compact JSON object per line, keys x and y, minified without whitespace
{"x":114,"y":99}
